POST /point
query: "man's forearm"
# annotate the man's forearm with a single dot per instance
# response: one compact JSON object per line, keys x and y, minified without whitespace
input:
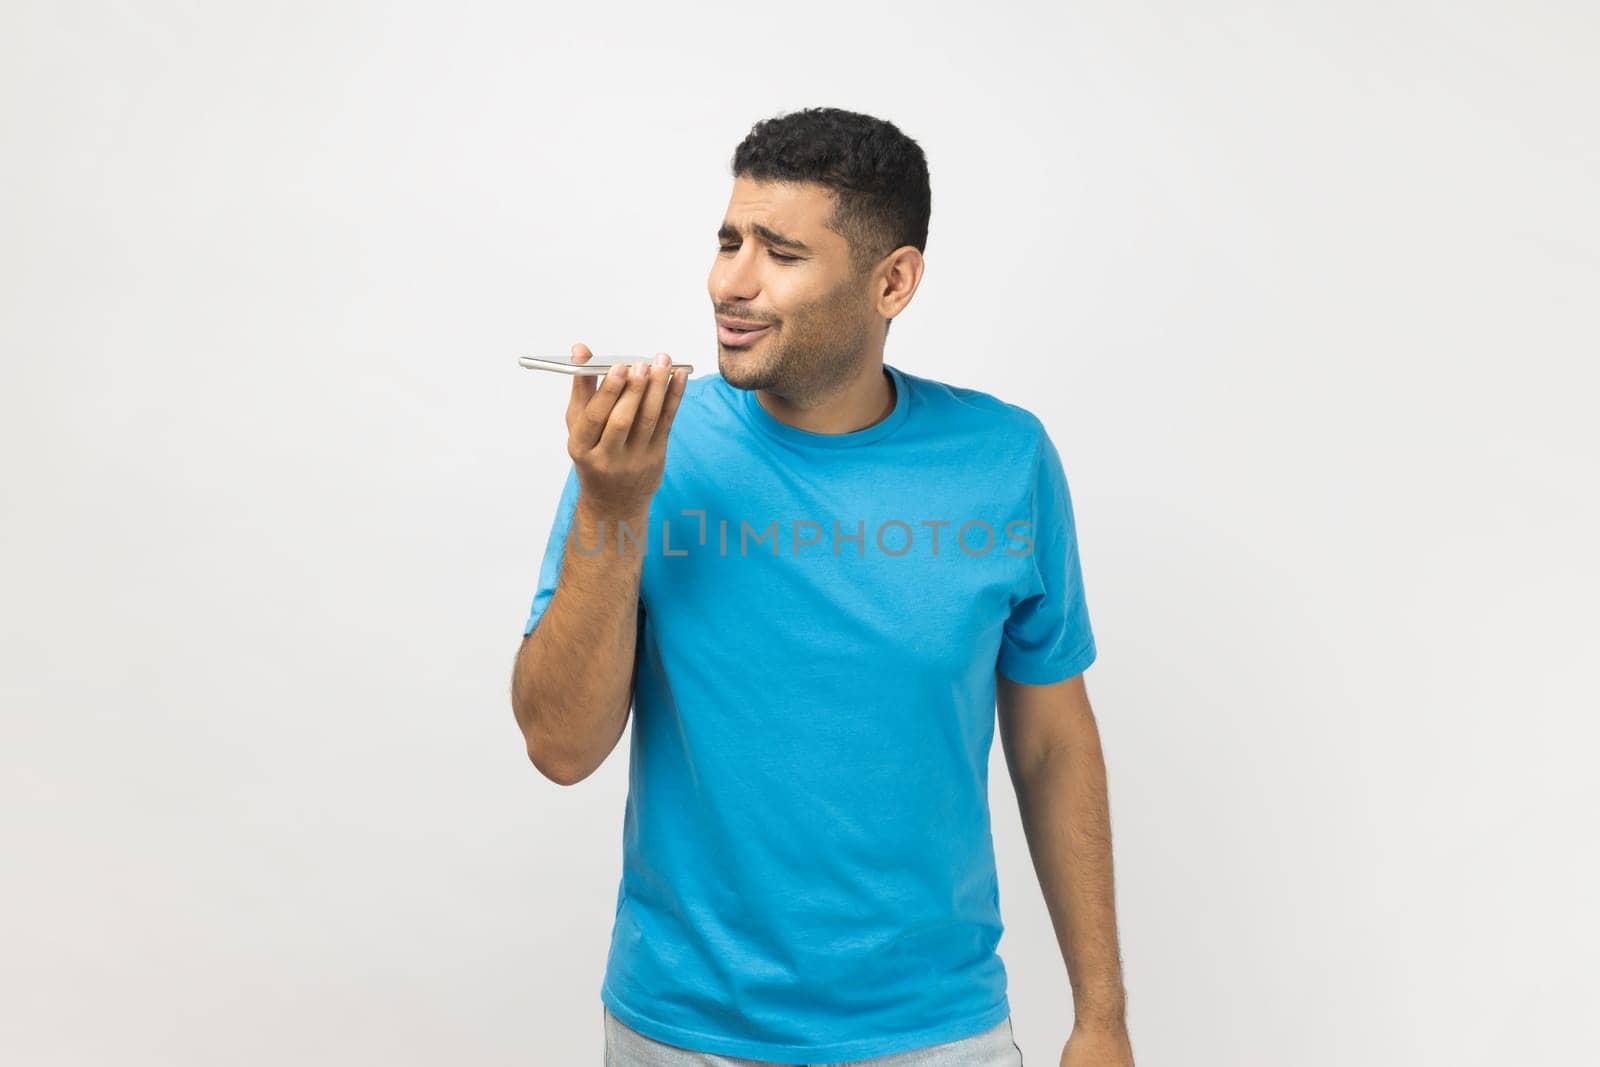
{"x":1067,"y":821}
{"x":572,"y":683}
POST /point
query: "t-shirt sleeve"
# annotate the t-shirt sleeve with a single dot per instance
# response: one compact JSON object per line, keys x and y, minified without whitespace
{"x":1047,"y":636}
{"x":554,"y":550}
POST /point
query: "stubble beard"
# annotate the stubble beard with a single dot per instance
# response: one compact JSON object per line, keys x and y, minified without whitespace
{"x":815,"y":360}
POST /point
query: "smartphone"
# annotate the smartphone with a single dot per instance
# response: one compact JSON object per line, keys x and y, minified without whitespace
{"x":595,"y":365}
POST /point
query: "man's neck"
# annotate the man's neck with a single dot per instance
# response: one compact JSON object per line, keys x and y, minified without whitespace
{"x":864,"y":400}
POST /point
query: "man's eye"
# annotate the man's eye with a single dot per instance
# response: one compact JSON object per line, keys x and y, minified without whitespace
{"x":779,"y":256}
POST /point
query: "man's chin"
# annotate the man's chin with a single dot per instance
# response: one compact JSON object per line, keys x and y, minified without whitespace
{"x":738,"y":369}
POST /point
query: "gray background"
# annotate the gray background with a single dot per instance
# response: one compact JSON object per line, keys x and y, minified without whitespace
{"x":1306,"y":295}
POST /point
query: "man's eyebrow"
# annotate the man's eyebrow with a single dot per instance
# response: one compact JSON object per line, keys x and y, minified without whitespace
{"x":727,"y":233}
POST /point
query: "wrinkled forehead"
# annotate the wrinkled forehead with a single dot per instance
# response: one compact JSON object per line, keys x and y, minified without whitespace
{"x":797,"y":212}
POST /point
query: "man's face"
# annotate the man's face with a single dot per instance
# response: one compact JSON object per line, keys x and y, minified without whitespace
{"x":817,"y":317}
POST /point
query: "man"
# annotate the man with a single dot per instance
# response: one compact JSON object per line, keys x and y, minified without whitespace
{"x":813,"y":601}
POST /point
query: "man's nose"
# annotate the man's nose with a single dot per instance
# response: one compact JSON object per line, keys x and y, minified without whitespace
{"x":737,"y":277}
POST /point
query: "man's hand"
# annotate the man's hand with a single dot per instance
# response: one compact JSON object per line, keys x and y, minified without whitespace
{"x":1097,"y":1048}
{"x":617,"y":432}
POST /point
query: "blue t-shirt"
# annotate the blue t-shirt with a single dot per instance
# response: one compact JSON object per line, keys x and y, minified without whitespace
{"x":808,"y":871}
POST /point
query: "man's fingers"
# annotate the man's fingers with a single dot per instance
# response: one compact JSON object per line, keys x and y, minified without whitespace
{"x":669,"y":403}
{"x":590,"y":423}
{"x":615,"y":433}
{"x":624,"y":409}
{"x":644,"y":422}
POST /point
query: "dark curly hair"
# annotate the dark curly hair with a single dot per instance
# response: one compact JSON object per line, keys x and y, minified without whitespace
{"x":879,"y":176}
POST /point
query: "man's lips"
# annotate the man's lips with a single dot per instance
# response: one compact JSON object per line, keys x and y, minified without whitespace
{"x":738,"y":332}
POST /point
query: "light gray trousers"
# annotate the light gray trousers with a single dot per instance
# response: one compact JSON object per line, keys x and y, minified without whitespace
{"x":627,"y":1047}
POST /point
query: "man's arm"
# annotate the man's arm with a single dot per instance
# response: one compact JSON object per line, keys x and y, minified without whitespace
{"x":1052,"y":748}
{"x":572,"y":684}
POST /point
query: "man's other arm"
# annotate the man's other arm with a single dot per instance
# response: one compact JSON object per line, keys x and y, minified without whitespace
{"x":1052,"y":748}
